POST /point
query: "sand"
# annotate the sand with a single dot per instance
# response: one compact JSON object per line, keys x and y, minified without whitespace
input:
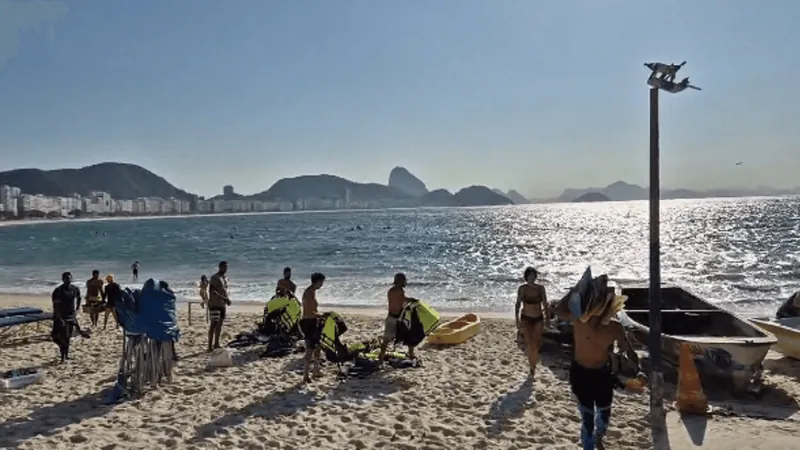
{"x":473,"y":396}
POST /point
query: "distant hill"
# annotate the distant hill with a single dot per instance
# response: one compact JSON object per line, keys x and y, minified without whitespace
{"x":328,"y":187}
{"x":400,"y":178}
{"x":439,"y":197}
{"x":592,"y":197}
{"x":480,"y":196}
{"x":622,"y":191}
{"x":121,"y":180}
{"x":514,"y":196}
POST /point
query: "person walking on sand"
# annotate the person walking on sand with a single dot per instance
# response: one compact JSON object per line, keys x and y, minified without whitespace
{"x":218,"y":303}
{"x":309,"y":325}
{"x":531,"y":315}
{"x":66,"y":300}
{"x":112,"y":294}
{"x":590,"y":374}
{"x":135,"y":270}
{"x":94,"y":297}
{"x":285,"y":285}
{"x":397,"y":300}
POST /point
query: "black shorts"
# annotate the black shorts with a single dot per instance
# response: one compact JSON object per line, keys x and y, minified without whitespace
{"x":216,"y":313}
{"x":593,"y":387}
{"x":311,"y":332}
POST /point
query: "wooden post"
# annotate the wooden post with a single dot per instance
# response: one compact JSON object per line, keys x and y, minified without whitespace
{"x":657,"y":416}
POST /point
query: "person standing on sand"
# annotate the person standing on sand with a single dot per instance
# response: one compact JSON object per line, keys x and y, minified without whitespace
{"x":135,"y":270}
{"x":590,"y":374}
{"x":112,"y":295}
{"x":285,"y":285}
{"x":218,"y":303}
{"x":532,"y":300}
{"x":204,"y":290}
{"x":94,"y":297}
{"x":309,"y":325}
{"x":66,"y":301}
{"x":397,"y":301}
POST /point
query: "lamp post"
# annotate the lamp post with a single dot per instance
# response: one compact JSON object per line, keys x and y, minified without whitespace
{"x":662,"y":77}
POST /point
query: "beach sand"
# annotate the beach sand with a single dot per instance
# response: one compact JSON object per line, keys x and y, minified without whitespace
{"x":473,"y":396}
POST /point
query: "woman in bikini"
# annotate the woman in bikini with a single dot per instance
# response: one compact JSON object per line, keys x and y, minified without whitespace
{"x":532,"y":300}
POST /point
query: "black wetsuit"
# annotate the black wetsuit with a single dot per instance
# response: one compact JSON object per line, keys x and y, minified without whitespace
{"x":594,"y":389}
{"x":66,"y":300}
{"x":112,"y":295}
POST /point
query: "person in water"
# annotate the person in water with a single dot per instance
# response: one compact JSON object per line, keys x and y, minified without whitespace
{"x":397,"y":300}
{"x":112,"y":294}
{"x":309,"y":325}
{"x":790,"y":308}
{"x":94,"y":297}
{"x":218,"y":303}
{"x":66,"y":300}
{"x":135,"y":270}
{"x":285,"y":285}
{"x":531,"y":315}
{"x":590,"y":374}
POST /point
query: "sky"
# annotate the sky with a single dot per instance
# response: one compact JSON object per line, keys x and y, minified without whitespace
{"x":532,"y":95}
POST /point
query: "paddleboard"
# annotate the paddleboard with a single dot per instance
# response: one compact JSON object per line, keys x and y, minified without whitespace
{"x":579,"y":292}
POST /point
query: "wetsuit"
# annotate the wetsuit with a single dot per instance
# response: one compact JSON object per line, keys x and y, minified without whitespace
{"x":594,"y":389}
{"x":66,"y":299}
{"x":112,"y":295}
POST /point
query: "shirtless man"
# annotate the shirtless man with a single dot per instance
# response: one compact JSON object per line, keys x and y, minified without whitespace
{"x":397,"y":301}
{"x":218,"y":303}
{"x":532,"y":299}
{"x":285,"y":285}
{"x":590,"y":374}
{"x":309,"y":325}
{"x":94,"y":296}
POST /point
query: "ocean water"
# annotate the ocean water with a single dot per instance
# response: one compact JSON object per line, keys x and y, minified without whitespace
{"x":744,"y":253}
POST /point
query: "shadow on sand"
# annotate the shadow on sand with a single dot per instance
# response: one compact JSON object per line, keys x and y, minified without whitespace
{"x":509,"y":406}
{"x":299,"y":397}
{"x":50,"y":419}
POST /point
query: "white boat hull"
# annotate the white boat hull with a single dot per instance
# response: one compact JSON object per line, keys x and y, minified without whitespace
{"x":724,"y":345}
{"x":788,"y":333}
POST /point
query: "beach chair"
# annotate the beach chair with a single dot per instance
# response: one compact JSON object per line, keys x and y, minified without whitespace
{"x":8,"y":322}
{"x":19,"y":311}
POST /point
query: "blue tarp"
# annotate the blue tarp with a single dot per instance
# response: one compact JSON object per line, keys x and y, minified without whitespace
{"x":149,"y":311}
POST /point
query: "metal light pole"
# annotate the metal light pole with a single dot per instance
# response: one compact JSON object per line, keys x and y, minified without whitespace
{"x":662,"y":77}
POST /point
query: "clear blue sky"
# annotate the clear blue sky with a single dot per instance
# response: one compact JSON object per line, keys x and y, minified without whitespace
{"x":528,"y":94}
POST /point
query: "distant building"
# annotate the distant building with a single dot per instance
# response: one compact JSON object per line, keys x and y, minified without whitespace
{"x":227,"y":191}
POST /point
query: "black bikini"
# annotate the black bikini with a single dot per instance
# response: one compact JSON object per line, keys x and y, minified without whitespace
{"x":531,"y":301}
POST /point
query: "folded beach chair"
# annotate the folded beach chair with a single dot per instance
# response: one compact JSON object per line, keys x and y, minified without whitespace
{"x":19,"y":311}
{"x":7,"y":322}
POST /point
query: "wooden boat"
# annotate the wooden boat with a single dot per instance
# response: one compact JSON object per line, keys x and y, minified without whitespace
{"x":786,"y":330}
{"x":724,"y":345}
{"x":456,"y":331}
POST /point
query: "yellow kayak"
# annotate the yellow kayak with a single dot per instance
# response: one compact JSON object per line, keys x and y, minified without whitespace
{"x":456,"y":331}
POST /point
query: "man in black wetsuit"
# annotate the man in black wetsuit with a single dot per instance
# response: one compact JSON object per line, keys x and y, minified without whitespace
{"x":112,"y":294}
{"x":66,"y":300}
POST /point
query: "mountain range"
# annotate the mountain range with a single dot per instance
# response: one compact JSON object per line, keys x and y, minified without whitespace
{"x":128,"y":181}
{"x":622,"y":191}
